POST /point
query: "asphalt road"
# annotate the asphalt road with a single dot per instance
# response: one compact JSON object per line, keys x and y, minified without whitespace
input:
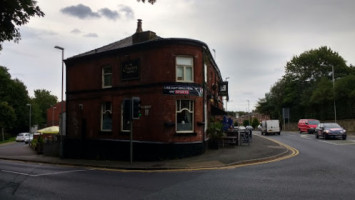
{"x":324,"y":169}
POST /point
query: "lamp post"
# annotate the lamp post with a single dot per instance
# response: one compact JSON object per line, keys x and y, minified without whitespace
{"x":29,"y":124}
{"x":335,"y":109}
{"x":53,"y":108}
{"x":61,"y":104}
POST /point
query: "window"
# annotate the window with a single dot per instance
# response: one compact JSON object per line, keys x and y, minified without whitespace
{"x":125,"y":112}
{"x":184,"y":69}
{"x":106,"y":77}
{"x":184,"y":116}
{"x":106,"y":116}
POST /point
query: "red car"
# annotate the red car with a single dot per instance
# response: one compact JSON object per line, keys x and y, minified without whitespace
{"x":330,"y":130}
{"x":307,"y":125}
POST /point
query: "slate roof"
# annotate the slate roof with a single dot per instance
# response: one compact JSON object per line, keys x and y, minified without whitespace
{"x":128,"y":41}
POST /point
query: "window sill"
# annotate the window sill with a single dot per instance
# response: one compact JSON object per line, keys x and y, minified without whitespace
{"x":185,"y":134}
{"x":105,"y":132}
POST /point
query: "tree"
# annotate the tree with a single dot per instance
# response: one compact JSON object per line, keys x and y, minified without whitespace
{"x":255,"y":123}
{"x":14,"y":93}
{"x":7,"y":115}
{"x":14,"y":13}
{"x":312,"y":65}
{"x":345,"y":96}
{"x":306,"y":86}
{"x":150,"y":1}
{"x":41,"y":102}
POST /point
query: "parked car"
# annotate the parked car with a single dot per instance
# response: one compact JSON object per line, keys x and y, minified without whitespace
{"x":23,"y":137}
{"x":330,"y":130}
{"x":29,"y":139}
{"x":307,"y":125}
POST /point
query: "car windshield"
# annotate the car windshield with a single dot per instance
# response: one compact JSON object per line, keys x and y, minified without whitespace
{"x":21,"y":134}
{"x":333,"y":125}
{"x":313,"y":122}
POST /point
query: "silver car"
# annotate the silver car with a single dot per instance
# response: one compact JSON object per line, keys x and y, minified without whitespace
{"x":23,"y":137}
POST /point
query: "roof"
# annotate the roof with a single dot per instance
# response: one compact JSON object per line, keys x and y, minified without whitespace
{"x":128,"y":41}
{"x":138,"y":39}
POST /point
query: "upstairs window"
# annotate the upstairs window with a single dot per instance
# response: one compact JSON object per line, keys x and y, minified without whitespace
{"x":184,"y":69}
{"x":106,"y":77}
{"x":106,"y":116}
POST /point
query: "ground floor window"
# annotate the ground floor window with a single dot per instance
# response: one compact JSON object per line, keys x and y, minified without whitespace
{"x":184,"y":116}
{"x":106,"y":116}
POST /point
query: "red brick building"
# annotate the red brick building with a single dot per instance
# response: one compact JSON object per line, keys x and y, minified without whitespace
{"x":177,"y":81}
{"x":53,"y":114}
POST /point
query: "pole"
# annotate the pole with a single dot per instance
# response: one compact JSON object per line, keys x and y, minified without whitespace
{"x":61,"y":104}
{"x":29,"y":116}
{"x":131,"y":143}
{"x":335,"y":109}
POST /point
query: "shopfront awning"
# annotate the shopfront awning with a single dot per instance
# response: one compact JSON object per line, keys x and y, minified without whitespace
{"x":217,"y":111}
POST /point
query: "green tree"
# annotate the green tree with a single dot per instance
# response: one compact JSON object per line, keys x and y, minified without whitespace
{"x":15,"y":94}
{"x":255,"y":122}
{"x":345,"y":96}
{"x":315,"y":64}
{"x":150,"y":1}
{"x":7,"y":115}
{"x":322,"y":98}
{"x":303,"y":83}
{"x":14,"y":13}
{"x":246,"y":122}
{"x":41,"y":102}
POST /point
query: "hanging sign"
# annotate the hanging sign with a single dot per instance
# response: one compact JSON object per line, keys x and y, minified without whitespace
{"x":223,"y":88}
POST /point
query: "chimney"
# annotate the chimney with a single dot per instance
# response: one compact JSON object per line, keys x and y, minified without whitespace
{"x":142,"y":36}
{"x":139,"y":26}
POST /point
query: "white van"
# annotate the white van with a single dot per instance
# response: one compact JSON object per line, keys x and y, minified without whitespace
{"x":270,"y":127}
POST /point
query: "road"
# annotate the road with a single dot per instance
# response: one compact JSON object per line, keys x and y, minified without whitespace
{"x":324,"y":169}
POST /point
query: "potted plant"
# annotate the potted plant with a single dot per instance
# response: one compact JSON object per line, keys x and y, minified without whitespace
{"x":215,"y":134}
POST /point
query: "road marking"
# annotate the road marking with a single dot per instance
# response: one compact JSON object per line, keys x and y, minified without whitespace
{"x":46,"y":174}
{"x":333,"y":142}
{"x":294,"y":152}
{"x":339,"y":142}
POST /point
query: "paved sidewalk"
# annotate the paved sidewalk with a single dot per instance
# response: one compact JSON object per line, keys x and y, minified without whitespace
{"x":261,"y":149}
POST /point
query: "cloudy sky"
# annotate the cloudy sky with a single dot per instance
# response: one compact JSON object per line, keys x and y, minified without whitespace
{"x":252,"y":39}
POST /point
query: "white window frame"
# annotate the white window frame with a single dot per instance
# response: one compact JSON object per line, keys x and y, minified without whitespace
{"x":184,"y":67}
{"x":190,"y":110}
{"x":104,"y":76}
{"x":104,"y":111}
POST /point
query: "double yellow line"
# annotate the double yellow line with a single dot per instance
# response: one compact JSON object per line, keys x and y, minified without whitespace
{"x":290,"y":152}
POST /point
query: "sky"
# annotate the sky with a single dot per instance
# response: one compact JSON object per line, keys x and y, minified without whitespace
{"x":251,"y":40}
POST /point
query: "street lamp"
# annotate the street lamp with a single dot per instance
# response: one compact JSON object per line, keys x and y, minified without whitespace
{"x":29,"y":124}
{"x":62,"y":49}
{"x":53,"y":108}
{"x":335,"y":109}
{"x":61,"y":104}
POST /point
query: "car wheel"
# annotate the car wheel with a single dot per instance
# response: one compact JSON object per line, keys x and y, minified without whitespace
{"x":317,"y":136}
{"x":344,"y":137}
{"x":300,"y":131}
{"x":325,"y":136}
